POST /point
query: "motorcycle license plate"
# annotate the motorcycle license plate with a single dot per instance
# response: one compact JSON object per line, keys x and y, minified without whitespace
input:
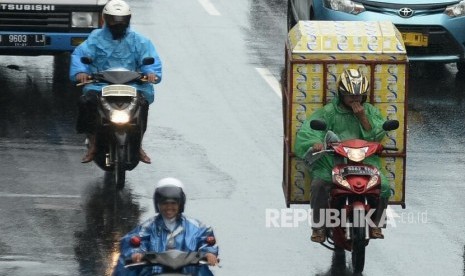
{"x":22,"y":40}
{"x":359,"y":170}
{"x":119,"y":90}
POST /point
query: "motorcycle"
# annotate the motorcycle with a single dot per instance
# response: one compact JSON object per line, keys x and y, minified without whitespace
{"x":120,"y":120}
{"x":355,"y":193}
{"x":173,"y":262}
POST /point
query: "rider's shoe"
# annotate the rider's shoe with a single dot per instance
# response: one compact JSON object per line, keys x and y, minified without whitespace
{"x":318,"y":235}
{"x":376,"y":233}
{"x":91,"y":150}
{"x":144,"y":157}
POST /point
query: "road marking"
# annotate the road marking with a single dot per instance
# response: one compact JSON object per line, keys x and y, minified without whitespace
{"x":391,"y":213}
{"x":38,"y":195}
{"x":56,"y":207}
{"x":271,"y":80}
{"x":208,"y":6}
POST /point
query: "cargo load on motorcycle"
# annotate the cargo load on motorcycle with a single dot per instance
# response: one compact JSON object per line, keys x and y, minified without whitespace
{"x":317,"y":52}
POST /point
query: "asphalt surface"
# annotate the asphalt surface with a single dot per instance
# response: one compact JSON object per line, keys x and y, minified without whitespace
{"x":216,"y":124}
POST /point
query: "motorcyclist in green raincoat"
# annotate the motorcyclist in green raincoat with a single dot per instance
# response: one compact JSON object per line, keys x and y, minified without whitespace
{"x":350,"y":117}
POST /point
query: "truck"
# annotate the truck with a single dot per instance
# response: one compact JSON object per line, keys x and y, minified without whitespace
{"x":47,"y":27}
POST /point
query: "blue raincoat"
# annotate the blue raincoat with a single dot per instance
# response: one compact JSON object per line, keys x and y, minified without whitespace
{"x":108,"y":53}
{"x":154,"y":237}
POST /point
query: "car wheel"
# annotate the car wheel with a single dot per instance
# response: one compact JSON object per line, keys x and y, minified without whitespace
{"x":290,"y":16}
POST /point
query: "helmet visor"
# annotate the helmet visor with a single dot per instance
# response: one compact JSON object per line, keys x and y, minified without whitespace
{"x":169,"y":193}
{"x":112,"y":20}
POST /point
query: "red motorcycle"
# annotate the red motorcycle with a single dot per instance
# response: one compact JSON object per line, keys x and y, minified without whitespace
{"x":355,"y":193}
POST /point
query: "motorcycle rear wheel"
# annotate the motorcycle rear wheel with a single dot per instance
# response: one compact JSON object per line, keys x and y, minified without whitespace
{"x":358,"y":249}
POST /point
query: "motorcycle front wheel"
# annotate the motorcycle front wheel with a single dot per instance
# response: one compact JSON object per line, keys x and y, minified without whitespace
{"x":119,"y":169}
{"x":358,"y":249}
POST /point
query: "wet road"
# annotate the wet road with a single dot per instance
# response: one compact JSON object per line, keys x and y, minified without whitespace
{"x":216,"y":124}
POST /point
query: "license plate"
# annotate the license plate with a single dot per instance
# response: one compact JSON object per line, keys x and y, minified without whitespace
{"x":415,"y":39}
{"x":359,"y":170}
{"x":22,"y":40}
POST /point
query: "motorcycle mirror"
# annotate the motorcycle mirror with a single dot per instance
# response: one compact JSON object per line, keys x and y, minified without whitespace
{"x":318,"y":124}
{"x":390,"y":125}
{"x":86,"y":60}
{"x":148,"y":61}
{"x":211,"y":240}
{"x":135,"y":241}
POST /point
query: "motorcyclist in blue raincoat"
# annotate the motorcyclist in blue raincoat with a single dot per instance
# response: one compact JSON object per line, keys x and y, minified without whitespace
{"x":169,"y":229}
{"x":113,"y":46}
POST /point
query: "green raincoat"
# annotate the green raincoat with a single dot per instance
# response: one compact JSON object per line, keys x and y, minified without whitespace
{"x":347,"y":126}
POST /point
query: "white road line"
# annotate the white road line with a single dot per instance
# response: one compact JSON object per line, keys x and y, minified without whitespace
{"x":271,"y":80}
{"x":38,"y":195}
{"x":208,"y":6}
{"x":391,"y":213}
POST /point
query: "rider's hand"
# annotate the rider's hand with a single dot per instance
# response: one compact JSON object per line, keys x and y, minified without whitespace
{"x":137,"y":257}
{"x":358,"y":109}
{"x":359,"y":112}
{"x":211,"y":259}
{"x":82,"y":77}
{"x":152,"y":77}
{"x":317,"y":147}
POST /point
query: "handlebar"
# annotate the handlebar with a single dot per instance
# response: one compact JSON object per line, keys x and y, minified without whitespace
{"x":322,"y":151}
{"x":390,"y":148}
{"x":174,"y":259}
{"x":144,"y":79}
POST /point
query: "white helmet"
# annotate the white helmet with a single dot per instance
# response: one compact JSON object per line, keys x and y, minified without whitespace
{"x":117,"y":15}
{"x":117,"y":8}
{"x":169,"y":188}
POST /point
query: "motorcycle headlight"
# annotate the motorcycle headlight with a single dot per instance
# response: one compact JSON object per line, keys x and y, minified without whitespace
{"x":356,"y":154}
{"x":119,"y":116}
{"x":456,"y":10}
{"x":346,"y":6}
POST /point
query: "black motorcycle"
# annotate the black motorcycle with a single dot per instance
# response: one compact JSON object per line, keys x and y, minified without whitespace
{"x":120,"y":120}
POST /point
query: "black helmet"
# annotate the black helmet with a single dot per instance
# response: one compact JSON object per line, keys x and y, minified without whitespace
{"x":169,"y":189}
{"x":353,"y":83}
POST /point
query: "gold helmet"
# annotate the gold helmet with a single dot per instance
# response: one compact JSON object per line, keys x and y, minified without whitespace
{"x":353,"y":83}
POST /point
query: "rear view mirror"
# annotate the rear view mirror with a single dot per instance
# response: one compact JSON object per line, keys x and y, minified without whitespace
{"x":211,"y":240}
{"x":148,"y":61}
{"x":318,"y":125}
{"x":86,"y":60}
{"x":390,"y":125}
